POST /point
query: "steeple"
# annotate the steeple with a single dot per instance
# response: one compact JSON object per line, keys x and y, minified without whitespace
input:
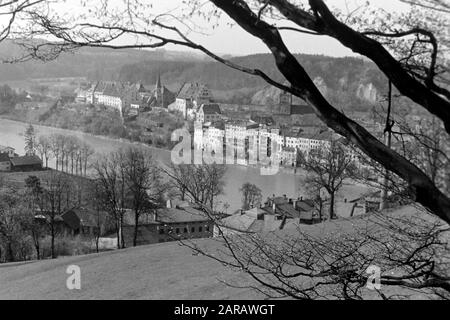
{"x":158,"y":82}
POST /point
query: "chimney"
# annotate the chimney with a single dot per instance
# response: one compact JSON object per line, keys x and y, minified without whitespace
{"x":169,"y":204}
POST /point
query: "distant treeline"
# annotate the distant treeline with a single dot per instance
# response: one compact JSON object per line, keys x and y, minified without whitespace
{"x":337,"y":73}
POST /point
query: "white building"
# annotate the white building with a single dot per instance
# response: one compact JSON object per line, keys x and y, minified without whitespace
{"x":190,"y":97}
{"x":209,"y":113}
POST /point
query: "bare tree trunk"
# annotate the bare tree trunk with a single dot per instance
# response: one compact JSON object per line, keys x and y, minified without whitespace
{"x":10,"y":256}
{"x":320,"y":209}
{"x":37,"y":246}
{"x":118,"y":234}
{"x":53,"y":240}
{"x":332,"y":205}
{"x":136,"y":228}
{"x":122,"y":240}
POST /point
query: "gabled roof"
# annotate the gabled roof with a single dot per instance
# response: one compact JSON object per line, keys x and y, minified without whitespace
{"x":4,"y":157}
{"x":211,"y":108}
{"x":305,"y":205}
{"x":26,"y":161}
{"x":191,"y":90}
{"x":301,"y":109}
{"x":179,"y":215}
{"x":77,"y":217}
{"x":112,"y":91}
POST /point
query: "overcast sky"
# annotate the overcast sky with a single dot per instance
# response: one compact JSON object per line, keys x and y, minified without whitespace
{"x":235,"y":41}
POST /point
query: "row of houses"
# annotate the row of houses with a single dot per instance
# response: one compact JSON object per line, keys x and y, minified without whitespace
{"x":178,"y":220}
{"x":10,"y":161}
{"x":127,"y":98}
{"x":247,"y":139}
{"x":280,"y":212}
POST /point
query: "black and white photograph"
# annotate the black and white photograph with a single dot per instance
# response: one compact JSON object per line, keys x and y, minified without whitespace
{"x":230,"y":157}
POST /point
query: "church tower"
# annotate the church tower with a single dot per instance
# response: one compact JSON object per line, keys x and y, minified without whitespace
{"x":284,"y":103}
{"x":158,"y":87}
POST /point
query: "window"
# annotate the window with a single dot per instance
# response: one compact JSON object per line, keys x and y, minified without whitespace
{"x":207,"y":228}
{"x":177,"y":230}
{"x":200,"y":229}
{"x":161,"y":231}
{"x":193,"y":229}
{"x":185,"y":230}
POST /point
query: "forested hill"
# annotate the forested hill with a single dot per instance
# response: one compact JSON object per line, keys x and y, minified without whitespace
{"x":95,"y":63}
{"x":336,"y":72}
{"x":345,"y":81}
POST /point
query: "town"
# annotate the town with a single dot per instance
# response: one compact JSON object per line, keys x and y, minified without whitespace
{"x":284,"y":132}
{"x":215,"y":150}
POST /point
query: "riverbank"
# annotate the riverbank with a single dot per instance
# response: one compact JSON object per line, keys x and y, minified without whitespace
{"x":161,"y":151}
{"x":11,"y":133}
{"x":78,"y":132}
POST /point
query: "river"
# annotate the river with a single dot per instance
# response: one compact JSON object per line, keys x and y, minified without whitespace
{"x":284,"y":182}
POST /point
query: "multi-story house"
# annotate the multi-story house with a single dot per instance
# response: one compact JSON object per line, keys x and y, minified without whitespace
{"x":10,"y":151}
{"x":190,"y":97}
{"x":209,"y":113}
{"x":288,"y":156}
{"x":5,"y":163}
{"x":112,"y":97}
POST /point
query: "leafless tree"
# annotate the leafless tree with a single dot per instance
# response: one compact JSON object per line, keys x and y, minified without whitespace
{"x":34,"y":199}
{"x":72,"y":147}
{"x":251,"y":195}
{"x":86,"y":152}
{"x":44,"y":148}
{"x":328,"y":167}
{"x":56,"y":198}
{"x":13,"y":221}
{"x":334,"y":262}
{"x":13,"y":10}
{"x":110,"y":179}
{"x":144,"y":183}
{"x":199,"y":183}
{"x":411,"y":56}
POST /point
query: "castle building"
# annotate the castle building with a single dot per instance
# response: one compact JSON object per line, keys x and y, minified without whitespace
{"x":189,"y":99}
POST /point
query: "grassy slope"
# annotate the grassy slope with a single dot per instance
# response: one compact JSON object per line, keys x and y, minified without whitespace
{"x":161,"y":271}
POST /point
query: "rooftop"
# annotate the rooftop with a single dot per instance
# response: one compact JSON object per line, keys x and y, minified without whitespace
{"x":26,"y":161}
{"x":191,"y":90}
{"x":210,"y":108}
{"x":4,"y":157}
{"x":180,"y":214}
{"x":301,"y":109}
